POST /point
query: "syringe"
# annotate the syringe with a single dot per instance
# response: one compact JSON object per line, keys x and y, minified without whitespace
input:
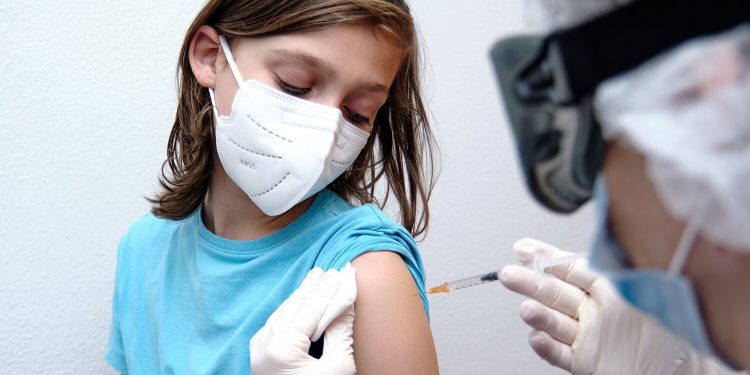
{"x":539,"y":265}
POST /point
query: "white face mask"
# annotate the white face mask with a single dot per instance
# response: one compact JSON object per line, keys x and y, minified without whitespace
{"x":280,"y":149}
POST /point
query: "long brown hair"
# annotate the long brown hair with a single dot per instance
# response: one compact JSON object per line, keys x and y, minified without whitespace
{"x":401,"y":146}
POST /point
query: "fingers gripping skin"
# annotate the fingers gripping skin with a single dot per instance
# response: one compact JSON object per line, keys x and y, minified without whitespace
{"x":323,"y":302}
{"x":344,"y":298}
{"x":340,"y":335}
{"x":311,"y":311}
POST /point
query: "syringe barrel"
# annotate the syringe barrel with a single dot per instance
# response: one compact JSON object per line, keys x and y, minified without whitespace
{"x":474,"y":280}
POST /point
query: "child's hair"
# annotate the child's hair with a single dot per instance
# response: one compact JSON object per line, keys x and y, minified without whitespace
{"x":402,"y":146}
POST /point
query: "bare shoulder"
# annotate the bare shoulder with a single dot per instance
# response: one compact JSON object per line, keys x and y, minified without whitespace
{"x":391,"y":331}
{"x":384,"y":269}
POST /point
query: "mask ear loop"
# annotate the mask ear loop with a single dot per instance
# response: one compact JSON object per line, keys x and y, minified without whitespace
{"x":232,"y":66}
{"x":213,"y":103}
{"x":230,"y":60}
{"x":687,"y":239}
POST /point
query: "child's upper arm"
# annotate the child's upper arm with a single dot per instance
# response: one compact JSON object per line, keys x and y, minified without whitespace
{"x":391,"y":331}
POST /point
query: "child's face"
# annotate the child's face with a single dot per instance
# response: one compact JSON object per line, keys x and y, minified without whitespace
{"x":349,"y":67}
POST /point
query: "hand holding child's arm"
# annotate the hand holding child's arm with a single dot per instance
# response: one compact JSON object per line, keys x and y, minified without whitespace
{"x":282,"y":345}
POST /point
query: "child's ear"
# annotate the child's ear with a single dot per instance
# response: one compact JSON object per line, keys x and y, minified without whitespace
{"x":203,"y":52}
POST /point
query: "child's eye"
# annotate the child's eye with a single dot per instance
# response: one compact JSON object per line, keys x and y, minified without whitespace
{"x":296,"y":91}
{"x":356,"y":117}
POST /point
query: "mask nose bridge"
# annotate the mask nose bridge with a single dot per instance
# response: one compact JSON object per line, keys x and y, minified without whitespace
{"x":331,"y":102}
{"x":326,"y":110}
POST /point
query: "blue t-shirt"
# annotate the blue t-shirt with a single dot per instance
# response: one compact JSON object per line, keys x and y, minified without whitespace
{"x":187,"y":301}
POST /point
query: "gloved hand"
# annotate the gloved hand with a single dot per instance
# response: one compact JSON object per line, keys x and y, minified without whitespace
{"x":581,"y":325}
{"x":322,"y":305}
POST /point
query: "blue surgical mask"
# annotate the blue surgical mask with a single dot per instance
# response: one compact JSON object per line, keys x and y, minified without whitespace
{"x":665,"y":295}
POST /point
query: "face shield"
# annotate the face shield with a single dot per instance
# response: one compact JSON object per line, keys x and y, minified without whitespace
{"x":548,"y":82}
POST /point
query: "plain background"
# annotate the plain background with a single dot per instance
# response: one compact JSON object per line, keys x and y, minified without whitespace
{"x":86,"y":106}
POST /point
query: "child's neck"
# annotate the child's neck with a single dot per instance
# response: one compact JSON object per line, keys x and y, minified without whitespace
{"x":229,"y":213}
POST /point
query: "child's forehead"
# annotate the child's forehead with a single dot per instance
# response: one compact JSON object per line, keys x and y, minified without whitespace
{"x":355,"y":49}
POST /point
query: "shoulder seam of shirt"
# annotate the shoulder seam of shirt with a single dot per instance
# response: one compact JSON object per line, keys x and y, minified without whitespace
{"x":375,"y":211}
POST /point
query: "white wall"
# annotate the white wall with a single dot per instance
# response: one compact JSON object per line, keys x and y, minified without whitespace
{"x":86,"y":106}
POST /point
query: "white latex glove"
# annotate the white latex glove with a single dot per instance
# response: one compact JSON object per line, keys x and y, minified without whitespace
{"x":581,"y":325}
{"x":322,"y":305}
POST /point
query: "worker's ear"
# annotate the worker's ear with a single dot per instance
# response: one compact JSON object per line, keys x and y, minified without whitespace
{"x":204,"y":54}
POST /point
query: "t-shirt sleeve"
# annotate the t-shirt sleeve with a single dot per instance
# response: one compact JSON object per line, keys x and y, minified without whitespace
{"x":384,"y":236}
{"x":115,"y":355}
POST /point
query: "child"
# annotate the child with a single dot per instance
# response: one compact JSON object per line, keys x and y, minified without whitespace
{"x":289,"y":112}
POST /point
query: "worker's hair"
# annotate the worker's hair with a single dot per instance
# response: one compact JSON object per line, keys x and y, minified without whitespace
{"x":401,"y":147}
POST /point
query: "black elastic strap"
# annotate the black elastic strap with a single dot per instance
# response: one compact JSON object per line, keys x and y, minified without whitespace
{"x":616,"y":42}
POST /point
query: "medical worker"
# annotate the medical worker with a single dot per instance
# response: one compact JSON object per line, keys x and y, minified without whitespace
{"x":669,"y":175}
{"x":643,"y":106}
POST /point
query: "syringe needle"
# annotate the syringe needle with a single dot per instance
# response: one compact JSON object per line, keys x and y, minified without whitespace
{"x":442,"y":288}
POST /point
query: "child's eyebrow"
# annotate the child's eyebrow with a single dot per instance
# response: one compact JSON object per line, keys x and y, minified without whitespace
{"x":374,"y":87}
{"x":306,"y":58}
